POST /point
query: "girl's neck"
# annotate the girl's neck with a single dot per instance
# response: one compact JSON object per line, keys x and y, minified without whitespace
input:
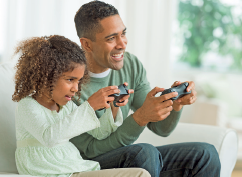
{"x":49,"y":104}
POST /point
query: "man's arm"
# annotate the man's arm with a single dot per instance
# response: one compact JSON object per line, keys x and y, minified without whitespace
{"x":165,"y":127}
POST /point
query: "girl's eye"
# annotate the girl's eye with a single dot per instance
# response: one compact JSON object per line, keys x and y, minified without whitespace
{"x":70,"y":80}
{"x":80,"y":81}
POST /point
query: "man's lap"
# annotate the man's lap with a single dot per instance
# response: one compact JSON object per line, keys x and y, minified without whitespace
{"x":174,"y":158}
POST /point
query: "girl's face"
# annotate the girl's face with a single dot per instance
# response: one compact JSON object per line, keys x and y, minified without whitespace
{"x":67,"y":85}
{"x":65,"y":88}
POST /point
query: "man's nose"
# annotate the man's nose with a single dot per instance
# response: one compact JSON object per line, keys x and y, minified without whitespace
{"x":122,"y":43}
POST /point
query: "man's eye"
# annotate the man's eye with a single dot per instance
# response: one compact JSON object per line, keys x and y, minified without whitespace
{"x":110,"y":39}
{"x":124,"y":33}
{"x":70,"y":80}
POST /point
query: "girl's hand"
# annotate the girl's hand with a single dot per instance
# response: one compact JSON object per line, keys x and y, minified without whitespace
{"x":101,"y":99}
{"x":123,"y":101}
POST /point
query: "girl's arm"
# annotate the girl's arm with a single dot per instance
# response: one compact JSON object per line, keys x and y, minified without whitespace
{"x":51,"y":131}
{"x":108,"y":123}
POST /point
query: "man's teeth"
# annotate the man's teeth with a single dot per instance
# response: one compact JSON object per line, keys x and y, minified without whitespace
{"x":117,"y":55}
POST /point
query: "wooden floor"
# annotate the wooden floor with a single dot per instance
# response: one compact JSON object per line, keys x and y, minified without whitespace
{"x":236,"y":174}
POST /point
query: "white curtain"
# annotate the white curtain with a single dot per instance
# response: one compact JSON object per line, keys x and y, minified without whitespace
{"x":148,"y":25}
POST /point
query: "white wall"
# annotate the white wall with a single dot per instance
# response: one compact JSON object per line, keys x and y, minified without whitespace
{"x":148,"y":28}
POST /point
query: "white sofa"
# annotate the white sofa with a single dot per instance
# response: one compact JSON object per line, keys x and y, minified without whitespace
{"x":224,"y":140}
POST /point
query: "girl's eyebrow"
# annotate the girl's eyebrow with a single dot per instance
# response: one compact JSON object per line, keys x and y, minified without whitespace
{"x":72,"y":77}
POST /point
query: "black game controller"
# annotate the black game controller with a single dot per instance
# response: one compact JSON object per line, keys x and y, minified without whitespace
{"x":117,"y":96}
{"x":180,"y":89}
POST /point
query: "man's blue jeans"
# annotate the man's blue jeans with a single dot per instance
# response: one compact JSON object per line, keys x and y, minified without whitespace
{"x":182,"y":159}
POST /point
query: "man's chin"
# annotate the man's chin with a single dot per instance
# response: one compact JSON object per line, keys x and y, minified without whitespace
{"x":117,"y":67}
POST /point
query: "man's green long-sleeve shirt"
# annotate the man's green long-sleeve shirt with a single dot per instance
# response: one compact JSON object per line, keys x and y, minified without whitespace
{"x":134,"y":73}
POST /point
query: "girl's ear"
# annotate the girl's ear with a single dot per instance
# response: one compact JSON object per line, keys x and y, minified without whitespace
{"x":86,"y":44}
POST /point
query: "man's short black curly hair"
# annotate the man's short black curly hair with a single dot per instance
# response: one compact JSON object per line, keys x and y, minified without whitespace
{"x":87,"y":18}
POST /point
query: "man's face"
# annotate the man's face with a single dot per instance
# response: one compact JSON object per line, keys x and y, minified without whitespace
{"x":109,"y":47}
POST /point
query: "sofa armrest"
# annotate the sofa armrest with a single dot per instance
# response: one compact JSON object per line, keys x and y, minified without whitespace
{"x":224,"y":140}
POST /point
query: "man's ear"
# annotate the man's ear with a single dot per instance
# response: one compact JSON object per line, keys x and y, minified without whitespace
{"x":86,"y":44}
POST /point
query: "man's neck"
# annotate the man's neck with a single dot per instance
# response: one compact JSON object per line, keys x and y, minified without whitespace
{"x":100,"y":75}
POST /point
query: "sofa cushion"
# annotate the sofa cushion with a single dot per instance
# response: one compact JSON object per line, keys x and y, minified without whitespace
{"x":7,"y":119}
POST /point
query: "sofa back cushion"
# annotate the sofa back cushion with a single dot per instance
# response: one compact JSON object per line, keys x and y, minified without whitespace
{"x":7,"y":119}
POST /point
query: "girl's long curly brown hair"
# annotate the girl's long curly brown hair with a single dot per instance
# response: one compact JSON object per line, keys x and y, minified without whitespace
{"x":43,"y":60}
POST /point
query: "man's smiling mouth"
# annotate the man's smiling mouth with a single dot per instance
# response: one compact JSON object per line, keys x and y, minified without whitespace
{"x":117,"y":56}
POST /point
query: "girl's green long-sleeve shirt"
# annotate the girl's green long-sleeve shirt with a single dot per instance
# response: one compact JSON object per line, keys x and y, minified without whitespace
{"x":134,"y":73}
{"x":43,"y":146}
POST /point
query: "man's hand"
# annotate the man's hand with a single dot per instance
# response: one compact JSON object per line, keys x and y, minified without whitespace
{"x":101,"y":99}
{"x":187,"y":99}
{"x":154,"y":109}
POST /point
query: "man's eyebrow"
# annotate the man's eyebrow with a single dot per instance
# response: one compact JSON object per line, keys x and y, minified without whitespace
{"x":114,"y":34}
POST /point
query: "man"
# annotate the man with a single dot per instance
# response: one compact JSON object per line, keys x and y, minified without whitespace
{"x":102,"y":36}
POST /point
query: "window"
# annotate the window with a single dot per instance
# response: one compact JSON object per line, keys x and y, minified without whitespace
{"x":209,"y":34}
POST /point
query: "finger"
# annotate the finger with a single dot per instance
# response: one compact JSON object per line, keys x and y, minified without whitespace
{"x":107,"y":106}
{"x":113,"y":87}
{"x":122,"y":104}
{"x":166,"y":104}
{"x":130,"y":91}
{"x":154,"y":91}
{"x":162,"y":114}
{"x":176,"y":83}
{"x":167,"y":96}
{"x":188,"y":99}
{"x":124,"y":98}
{"x":109,"y":99}
{"x":126,"y":84}
{"x":185,"y":99}
{"x":111,"y":92}
{"x":191,"y":86}
{"x":165,"y":110}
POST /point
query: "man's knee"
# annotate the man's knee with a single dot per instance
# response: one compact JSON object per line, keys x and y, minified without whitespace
{"x":209,"y":153}
{"x":143,"y":152}
{"x":207,"y":149}
{"x":145,"y":149}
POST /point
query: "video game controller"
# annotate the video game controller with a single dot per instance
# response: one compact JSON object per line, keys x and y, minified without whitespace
{"x":180,"y":89}
{"x":117,"y":96}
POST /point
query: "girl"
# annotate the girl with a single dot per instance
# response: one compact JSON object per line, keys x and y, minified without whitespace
{"x":49,"y":73}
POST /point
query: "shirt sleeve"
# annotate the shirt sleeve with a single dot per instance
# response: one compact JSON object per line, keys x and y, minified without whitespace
{"x":107,"y":124}
{"x":165,"y":127}
{"x":126,"y":134}
{"x":50,"y":133}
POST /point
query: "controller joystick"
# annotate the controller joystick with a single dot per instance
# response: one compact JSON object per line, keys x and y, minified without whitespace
{"x":180,"y":89}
